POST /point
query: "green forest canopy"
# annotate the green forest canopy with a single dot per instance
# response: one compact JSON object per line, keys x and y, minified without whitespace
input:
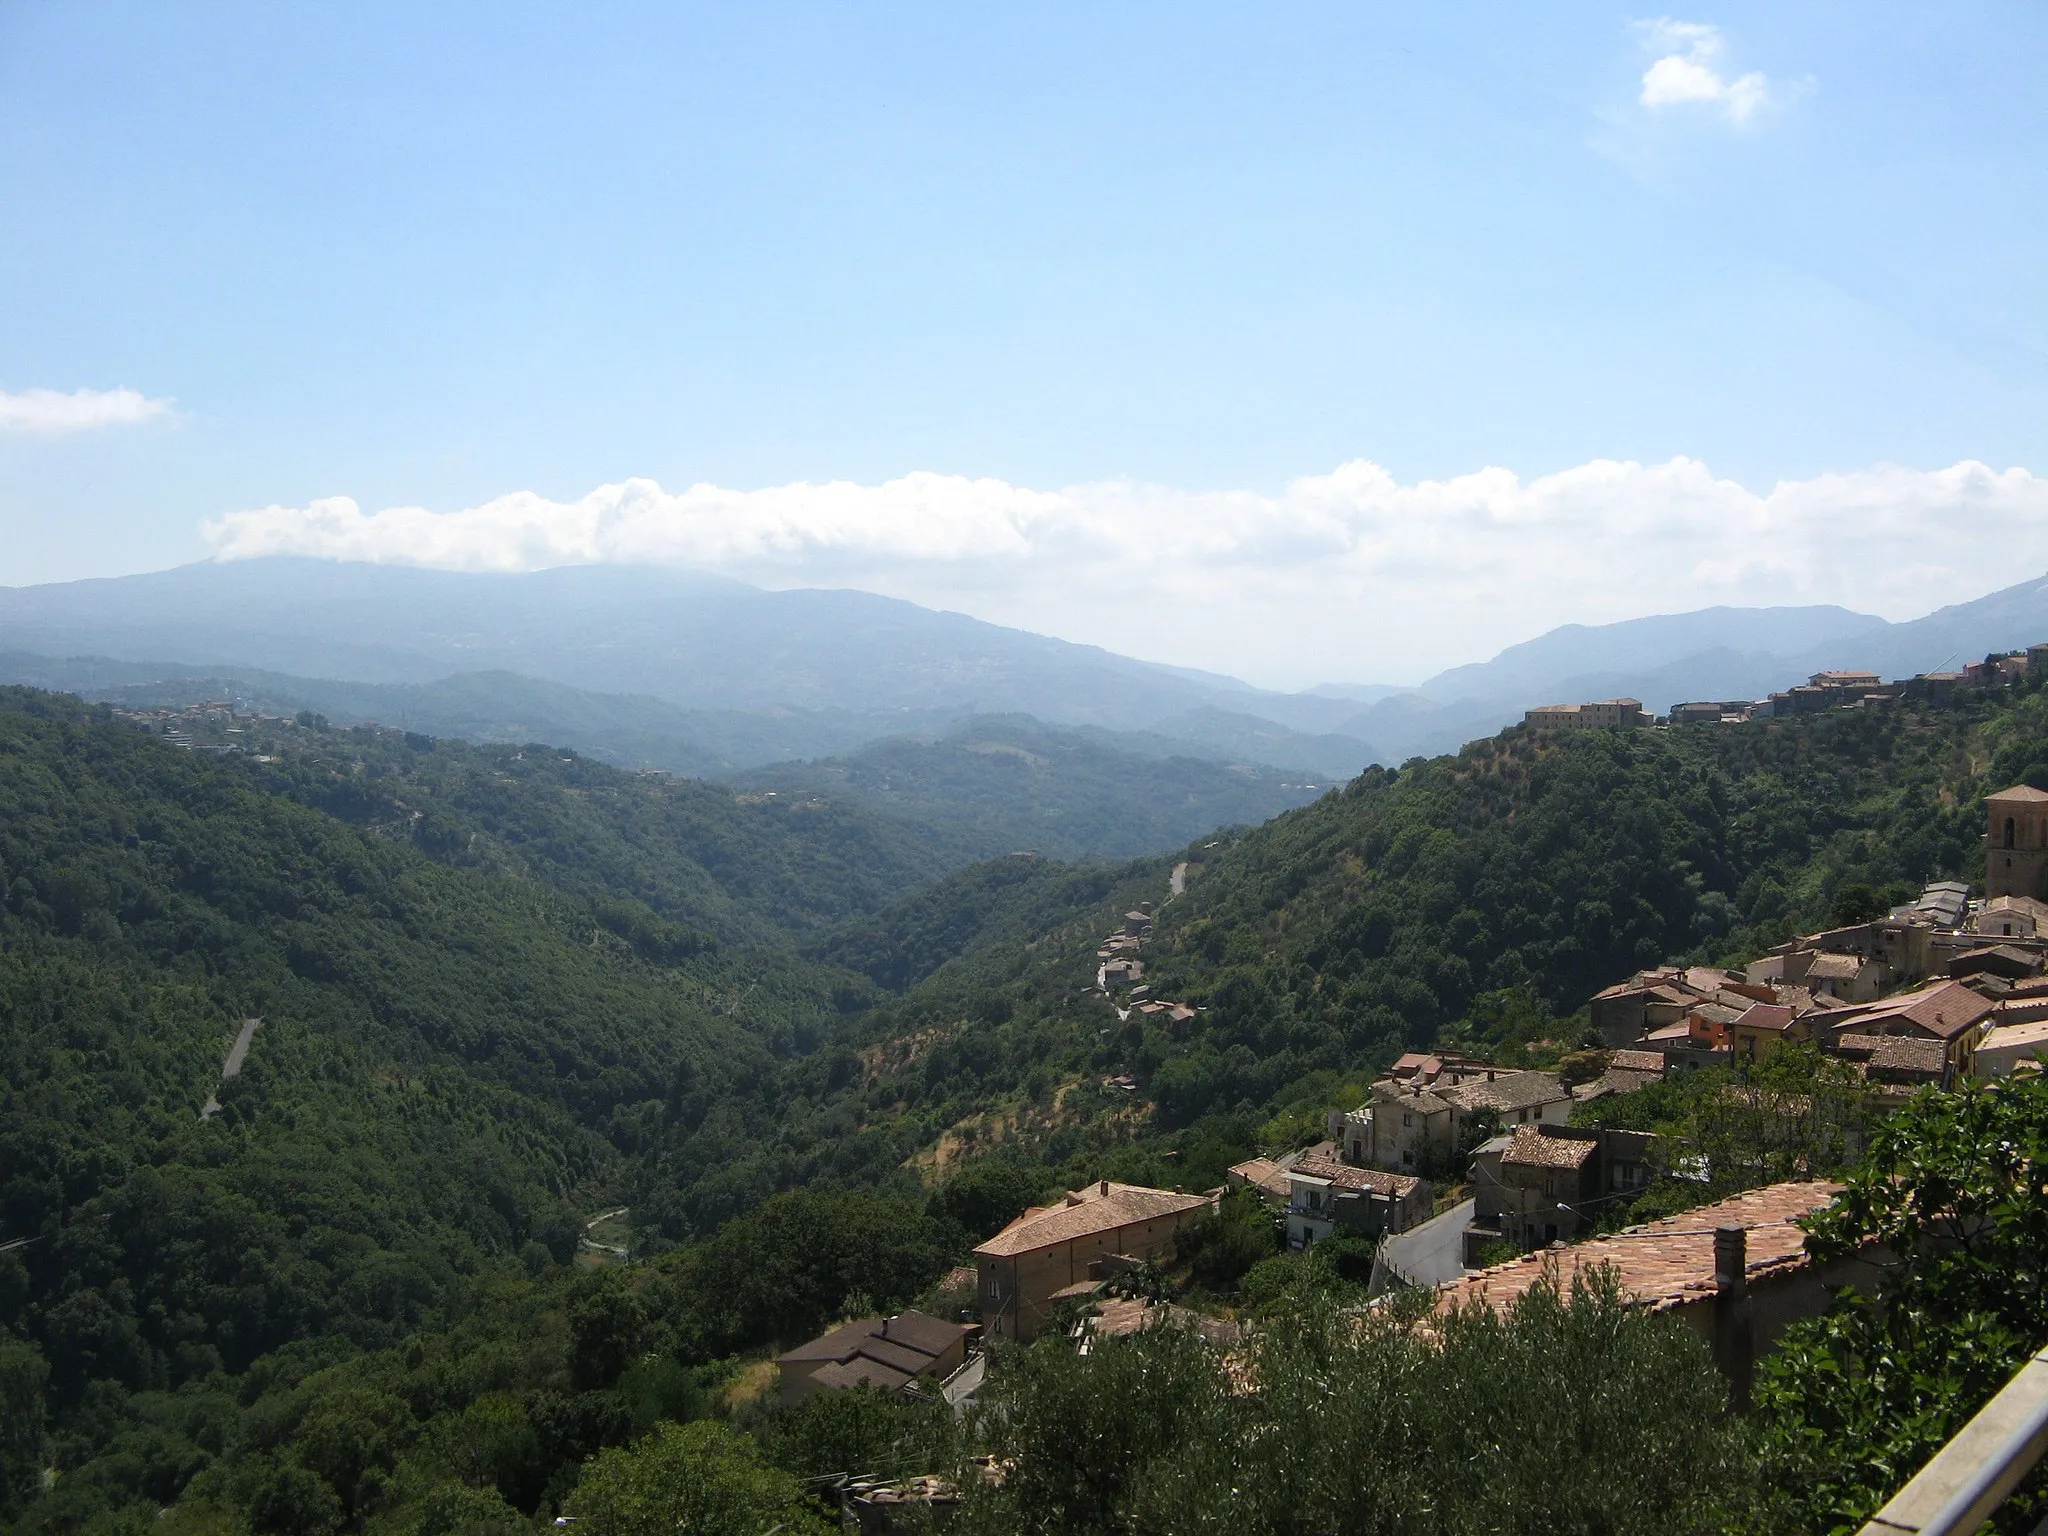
{"x":502,"y":989}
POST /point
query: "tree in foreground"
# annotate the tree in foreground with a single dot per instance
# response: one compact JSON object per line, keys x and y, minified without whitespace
{"x":1955,"y":1190}
{"x":1573,"y":1411}
{"x":700,"y":1477}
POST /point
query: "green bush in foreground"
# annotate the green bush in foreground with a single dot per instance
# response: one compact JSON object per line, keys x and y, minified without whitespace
{"x":1856,"y":1401}
{"x":700,"y":1477}
{"x":1571,"y":1412}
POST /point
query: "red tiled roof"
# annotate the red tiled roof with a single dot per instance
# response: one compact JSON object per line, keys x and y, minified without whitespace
{"x":1344,"y":1176}
{"x":1510,"y":1090}
{"x":1664,"y":1263}
{"x":1087,"y":1212}
{"x":1897,"y":1053}
{"x":1774,"y":1016}
{"x":1944,"y":1010}
{"x":1532,"y":1148}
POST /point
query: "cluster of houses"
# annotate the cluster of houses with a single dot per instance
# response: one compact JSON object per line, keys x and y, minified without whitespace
{"x":1943,"y":989}
{"x":1120,"y":974}
{"x":210,"y":726}
{"x":1534,"y":1178}
{"x":1842,"y":689}
{"x":1938,"y":991}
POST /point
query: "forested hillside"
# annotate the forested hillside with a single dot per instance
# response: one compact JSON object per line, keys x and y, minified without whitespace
{"x":749,"y":868}
{"x":1480,"y":898}
{"x":1003,"y":784}
{"x":504,"y":990}
{"x":498,"y":992}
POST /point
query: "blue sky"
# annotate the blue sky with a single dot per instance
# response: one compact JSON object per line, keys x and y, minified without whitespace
{"x":429,"y":257}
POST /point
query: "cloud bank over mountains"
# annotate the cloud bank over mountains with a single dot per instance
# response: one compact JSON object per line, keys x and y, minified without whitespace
{"x":1348,"y":575}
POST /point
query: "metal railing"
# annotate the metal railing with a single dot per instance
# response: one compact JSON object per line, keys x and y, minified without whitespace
{"x":1977,"y":1471}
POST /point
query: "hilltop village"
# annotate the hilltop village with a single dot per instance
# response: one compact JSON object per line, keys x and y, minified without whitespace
{"x":1477,"y":1178}
{"x":1846,"y":689}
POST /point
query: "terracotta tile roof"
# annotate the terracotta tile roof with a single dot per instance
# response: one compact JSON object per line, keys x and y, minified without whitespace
{"x":2011,"y":953}
{"x":1903,"y":1053}
{"x":1510,"y":1090}
{"x":2027,"y":905}
{"x":1532,"y":1148}
{"x":1086,"y":1213}
{"x":1123,"y":1315}
{"x":1613,"y":1081}
{"x":1344,"y":1176}
{"x":2020,"y":794}
{"x":1829,"y":967}
{"x":1636,"y":1061}
{"x":1417,"y":1100}
{"x":1664,"y":1263}
{"x":1772,"y":1016}
{"x":1264,"y":1175}
{"x":1945,"y":1010}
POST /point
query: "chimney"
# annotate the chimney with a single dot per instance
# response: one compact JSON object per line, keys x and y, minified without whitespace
{"x":1105,"y":1186}
{"x":1734,"y":1336}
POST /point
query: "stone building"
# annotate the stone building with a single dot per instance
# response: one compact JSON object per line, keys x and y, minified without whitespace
{"x":1055,"y":1248}
{"x":2016,"y":843}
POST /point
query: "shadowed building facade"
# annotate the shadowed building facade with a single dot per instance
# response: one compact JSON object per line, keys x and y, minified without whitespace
{"x":2016,"y":842}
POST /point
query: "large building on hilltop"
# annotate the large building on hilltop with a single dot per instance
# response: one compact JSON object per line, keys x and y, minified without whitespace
{"x":1063,"y":1249}
{"x":2016,"y":842}
{"x":1606,"y":714}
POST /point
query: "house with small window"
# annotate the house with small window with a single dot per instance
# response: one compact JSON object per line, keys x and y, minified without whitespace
{"x":1763,"y":1027}
{"x":1542,"y":1184}
{"x":1326,"y":1196}
{"x":1948,"y":1011}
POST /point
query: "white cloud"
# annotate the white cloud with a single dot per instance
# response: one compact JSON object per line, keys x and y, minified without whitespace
{"x":1687,"y":71}
{"x":1350,"y":575}
{"x":48,"y":412}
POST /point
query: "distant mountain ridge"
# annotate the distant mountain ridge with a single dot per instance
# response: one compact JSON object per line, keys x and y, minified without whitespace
{"x":762,"y":676}
{"x":1712,"y":653}
{"x":689,"y":640}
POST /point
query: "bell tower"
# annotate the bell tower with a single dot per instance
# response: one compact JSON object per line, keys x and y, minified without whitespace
{"x":2016,"y":843}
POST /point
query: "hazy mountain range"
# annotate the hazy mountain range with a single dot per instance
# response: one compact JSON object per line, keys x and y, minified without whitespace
{"x":704,"y":675}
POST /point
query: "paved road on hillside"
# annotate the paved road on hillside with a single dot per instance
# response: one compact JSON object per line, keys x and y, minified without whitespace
{"x":1433,"y":1252}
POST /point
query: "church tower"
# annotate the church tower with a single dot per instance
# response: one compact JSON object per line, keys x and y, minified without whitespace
{"x":2016,"y":843}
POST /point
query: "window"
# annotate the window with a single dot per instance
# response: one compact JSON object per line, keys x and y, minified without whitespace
{"x":2009,"y":833}
{"x":1407,"y":1119}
